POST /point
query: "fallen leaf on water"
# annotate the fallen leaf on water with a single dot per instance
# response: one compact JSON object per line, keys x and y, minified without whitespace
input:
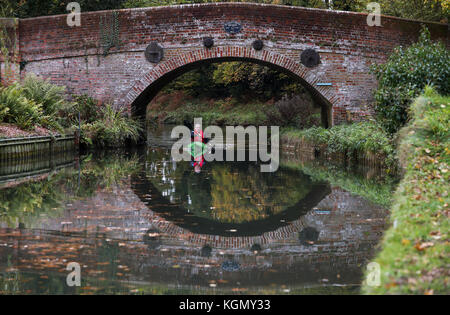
{"x":423,"y":246}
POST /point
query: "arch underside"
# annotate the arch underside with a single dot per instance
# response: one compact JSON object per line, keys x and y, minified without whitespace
{"x":147,"y":88}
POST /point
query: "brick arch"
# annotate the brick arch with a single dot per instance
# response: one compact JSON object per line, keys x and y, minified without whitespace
{"x":148,"y":86}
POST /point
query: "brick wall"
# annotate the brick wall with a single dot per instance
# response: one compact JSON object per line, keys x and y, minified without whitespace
{"x":9,"y":58}
{"x":73,"y":56}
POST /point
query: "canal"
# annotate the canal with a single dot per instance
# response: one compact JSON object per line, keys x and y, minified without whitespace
{"x":137,"y":222}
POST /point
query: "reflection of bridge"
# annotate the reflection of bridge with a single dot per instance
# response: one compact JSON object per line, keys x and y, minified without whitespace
{"x":340,"y":83}
{"x":117,"y":222}
{"x":122,"y":215}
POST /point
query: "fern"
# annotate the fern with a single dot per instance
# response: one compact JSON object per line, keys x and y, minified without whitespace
{"x":26,"y":113}
{"x":50,"y":96}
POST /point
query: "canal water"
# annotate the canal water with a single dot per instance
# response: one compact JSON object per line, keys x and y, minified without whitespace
{"x":140,"y":223}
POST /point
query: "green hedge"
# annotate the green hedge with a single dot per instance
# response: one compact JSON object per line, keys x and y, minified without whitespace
{"x":404,"y":76}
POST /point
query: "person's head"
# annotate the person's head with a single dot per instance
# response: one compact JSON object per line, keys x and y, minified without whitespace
{"x":197,"y":169}
{"x":198,"y":127}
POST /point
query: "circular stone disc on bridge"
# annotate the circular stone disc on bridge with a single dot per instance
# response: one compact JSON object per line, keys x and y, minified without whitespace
{"x":154,"y":52}
{"x":208,"y":42}
{"x":258,"y":44}
{"x":310,"y":58}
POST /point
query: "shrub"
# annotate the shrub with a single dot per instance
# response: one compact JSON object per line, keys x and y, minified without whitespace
{"x":113,"y":129}
{"x":88,"y":107}
{"x":404,"y":77}
{"x":362,"y":137}
{"x":3,"y":112}
{"x":296,"y":110}
{"x":84,"y":106}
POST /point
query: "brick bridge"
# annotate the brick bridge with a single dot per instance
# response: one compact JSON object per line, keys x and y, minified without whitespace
{"x":105,"y":56}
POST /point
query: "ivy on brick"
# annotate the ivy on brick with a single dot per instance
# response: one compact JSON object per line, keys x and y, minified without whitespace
{"x":109,"y":32}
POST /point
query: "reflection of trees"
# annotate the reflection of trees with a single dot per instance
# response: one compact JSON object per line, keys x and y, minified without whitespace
{"x":226,"y":192}
{"x":105,"y":171}
{"x":25,"y":202}
{"x":10,"y":281}
{"x":249,"y":195}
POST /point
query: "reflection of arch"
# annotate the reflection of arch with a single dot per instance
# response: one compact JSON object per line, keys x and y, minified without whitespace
{"x":148,"y":87}
{"x":178,"y":216}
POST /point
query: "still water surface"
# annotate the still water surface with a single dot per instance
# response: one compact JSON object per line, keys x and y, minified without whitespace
{"x":138,"y":222}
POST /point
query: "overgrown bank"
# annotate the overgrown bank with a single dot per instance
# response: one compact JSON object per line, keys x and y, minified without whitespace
{"x":180,"y":107}
{"x":295,"y":111}
{"x":414,"y":253}
{"x":349,"y":141}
